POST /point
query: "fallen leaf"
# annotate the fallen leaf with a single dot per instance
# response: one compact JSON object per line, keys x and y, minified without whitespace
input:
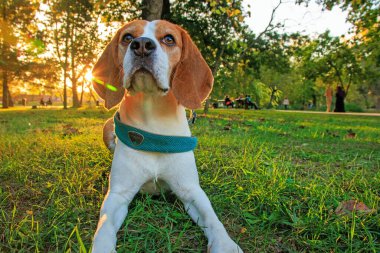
{"x":47,"y":130}
{"x":72,"y":131}
{"x":351,"y":134}
{"x":347,"y":207}
{"x":69,"y":130}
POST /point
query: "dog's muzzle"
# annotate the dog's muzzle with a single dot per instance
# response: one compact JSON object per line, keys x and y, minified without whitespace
{"x":144,"y":72}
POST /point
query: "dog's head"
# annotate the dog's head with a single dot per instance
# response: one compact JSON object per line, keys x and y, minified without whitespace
{"x":152,"y":57}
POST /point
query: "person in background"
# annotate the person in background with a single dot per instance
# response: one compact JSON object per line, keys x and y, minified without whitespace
{"x":328,"y":95}
{"x":250,"y":103}
{"x":239,"y":102}
{"x":228,"y":102}
{"x":193,"y":117}
{"x":286,"y":103}
{"x":339,"y":102}
{"x":42,"y":102}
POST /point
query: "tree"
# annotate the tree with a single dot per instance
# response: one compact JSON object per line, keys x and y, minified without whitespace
{"x":15,"y":29}
{"x":364,"y":16}
{"x":216,"y":27}
{"x":153,"y":9}
{"x":333,"y":61}
{"x":73,"y":30}
{"x":200,"y":18}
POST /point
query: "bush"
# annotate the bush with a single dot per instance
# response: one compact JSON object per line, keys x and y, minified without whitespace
{"x":353,"y":108}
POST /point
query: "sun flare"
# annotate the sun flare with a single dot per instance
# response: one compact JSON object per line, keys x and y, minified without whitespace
{"x":88,"y":76}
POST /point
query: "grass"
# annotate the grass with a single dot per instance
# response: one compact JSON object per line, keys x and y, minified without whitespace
{"x":274,"y":180}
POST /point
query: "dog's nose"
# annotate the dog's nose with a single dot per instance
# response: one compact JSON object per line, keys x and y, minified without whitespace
{"x":143,"y":46}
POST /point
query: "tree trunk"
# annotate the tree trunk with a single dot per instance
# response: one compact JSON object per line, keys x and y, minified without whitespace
{"x":152,"y":9}
{"x":5,"y":89}
{"x":166,"y":10}
{"x":3,"y":58}
{"x":10,"y":100}
{"x":75,"y":93}
{"x":65,"y":89}
{"x":93,"y":97}
{"x":81,"y":95}
{"x":274,"y":90}
{"x":67,"y":37}
{"x":73,"y":67}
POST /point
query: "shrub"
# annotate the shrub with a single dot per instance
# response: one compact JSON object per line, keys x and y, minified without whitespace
{"x":353,"y":108}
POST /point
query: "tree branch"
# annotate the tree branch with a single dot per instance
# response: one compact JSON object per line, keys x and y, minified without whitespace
{"x":337,"y":72}
{"x":267,"y":28}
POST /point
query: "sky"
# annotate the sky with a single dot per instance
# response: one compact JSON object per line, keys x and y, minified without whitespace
{"x":309,"y":20}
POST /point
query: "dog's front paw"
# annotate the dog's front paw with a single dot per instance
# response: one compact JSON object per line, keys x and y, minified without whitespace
{"x":103,"y":246}
{"x":223,"y":246}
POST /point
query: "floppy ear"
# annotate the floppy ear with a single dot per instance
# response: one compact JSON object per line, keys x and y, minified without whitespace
{"x":108,"y":75}
{"x":192,"y":80}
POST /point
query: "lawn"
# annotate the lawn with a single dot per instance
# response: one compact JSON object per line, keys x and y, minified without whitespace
{"x":275,"y":180}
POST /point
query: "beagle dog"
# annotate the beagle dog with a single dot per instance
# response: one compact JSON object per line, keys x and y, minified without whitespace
{"x":153,"y":70}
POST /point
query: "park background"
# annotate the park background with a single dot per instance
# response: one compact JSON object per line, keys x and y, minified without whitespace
{"x":280,"y":181}
{"x":49,"y":47}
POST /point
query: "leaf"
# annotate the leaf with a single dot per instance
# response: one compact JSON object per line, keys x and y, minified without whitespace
{"x":350,"y":134}
{"x":6,"y":33}
{"x":347,"y":207}
{"x":235,"y":12}
{"x":69,"y":130}
{"x":213,"y":3}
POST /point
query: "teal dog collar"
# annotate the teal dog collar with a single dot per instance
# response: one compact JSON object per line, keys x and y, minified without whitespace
{"x":141,"y":140}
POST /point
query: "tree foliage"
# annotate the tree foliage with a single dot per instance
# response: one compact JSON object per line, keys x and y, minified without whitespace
{"x":268,"y":66}
{"x":17,"y":43}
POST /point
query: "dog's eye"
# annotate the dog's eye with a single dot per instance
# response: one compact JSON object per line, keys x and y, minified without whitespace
{"x":127,"y":38}
{"x":169,"y":40}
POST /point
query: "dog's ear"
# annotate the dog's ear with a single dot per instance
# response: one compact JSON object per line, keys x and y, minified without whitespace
{"x":192,"y":80}
{"x":108,"y":75}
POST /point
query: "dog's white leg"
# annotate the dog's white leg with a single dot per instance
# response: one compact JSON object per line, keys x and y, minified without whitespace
{"x":185,"y":184}
{"x":199,"y":208}
{"x":125,"y":182}
{"x":112,"y":214}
